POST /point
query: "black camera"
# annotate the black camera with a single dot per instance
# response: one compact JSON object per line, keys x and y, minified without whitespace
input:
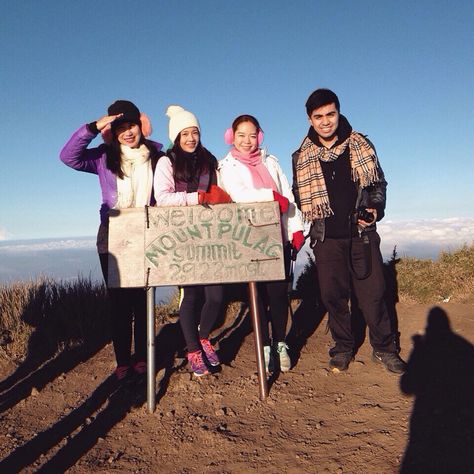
{"x":364,"y":215}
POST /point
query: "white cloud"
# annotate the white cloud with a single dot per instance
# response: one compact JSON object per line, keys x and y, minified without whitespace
{"x":3,"y":234}
{"x":47,"y":245}
{"x":421,"y":238}
{"x":425,"y":238}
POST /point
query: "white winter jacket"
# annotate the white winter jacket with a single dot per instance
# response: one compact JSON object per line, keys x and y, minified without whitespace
{"x":236,"y":179}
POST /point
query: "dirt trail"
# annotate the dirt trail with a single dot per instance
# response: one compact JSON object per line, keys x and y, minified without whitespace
{"x":314,"y":421}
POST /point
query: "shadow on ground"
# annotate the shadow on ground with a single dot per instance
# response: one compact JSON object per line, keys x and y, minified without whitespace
{"x":70,"y":322}
{"x":440,"y":376}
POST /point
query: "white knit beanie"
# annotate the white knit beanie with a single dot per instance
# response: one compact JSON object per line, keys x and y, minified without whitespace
{"x":179,"y":120}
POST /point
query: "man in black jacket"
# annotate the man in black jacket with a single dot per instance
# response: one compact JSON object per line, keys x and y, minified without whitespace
{"x":340,"y":188}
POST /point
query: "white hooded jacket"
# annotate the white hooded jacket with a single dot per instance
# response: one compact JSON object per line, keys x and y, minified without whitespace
{"x":236,"y":179}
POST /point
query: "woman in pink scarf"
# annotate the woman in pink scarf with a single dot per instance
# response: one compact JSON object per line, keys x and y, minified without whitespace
{"x":249,"y":174}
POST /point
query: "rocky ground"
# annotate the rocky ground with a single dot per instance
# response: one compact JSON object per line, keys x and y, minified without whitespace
{"x":67,"y":414}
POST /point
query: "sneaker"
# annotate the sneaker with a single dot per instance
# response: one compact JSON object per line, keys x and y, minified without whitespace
{"x":285,"y":361}
{"x":140,"y":367}
{"x":196,"y":364}
{"x":123,"y":374}
{"x":391,"y":361}
{"x":210,"y":352}
{"x":340,"y":361}
{"x":140,"y":372}
{"x":268,"y":357}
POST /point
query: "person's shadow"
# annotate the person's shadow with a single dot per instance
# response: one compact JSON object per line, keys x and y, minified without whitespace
{"x":82,"y":428}
{"x":440,"y":375}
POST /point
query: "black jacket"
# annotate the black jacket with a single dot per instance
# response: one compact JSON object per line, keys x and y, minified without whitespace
{"x":373,"y":196}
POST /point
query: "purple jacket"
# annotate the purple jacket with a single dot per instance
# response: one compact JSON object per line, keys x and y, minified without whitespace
{"x":75,"y":154}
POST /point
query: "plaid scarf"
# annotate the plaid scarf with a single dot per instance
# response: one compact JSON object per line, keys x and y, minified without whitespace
{"x":314,"y":197}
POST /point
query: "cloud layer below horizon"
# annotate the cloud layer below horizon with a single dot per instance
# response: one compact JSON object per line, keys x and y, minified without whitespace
{"x":69,"y":257}
{"x":425,"y":238}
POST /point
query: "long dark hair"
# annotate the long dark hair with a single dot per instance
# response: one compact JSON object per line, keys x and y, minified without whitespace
{"x":113,"y":154}
{"x":185,"y":168}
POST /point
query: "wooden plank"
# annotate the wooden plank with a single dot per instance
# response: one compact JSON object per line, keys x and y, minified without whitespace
{"x":126,"y":243}
{"x":223,"y":243}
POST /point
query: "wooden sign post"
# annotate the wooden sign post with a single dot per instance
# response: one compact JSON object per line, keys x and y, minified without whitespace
{"x":196,"y":245}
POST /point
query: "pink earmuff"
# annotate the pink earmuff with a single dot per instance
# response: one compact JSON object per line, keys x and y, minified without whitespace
{"x":229,"y":137}
{"x":146,"y":125}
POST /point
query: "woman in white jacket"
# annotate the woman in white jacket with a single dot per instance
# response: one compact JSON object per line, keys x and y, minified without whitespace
{"x":187,"y":176}
{"x":249,"y":174}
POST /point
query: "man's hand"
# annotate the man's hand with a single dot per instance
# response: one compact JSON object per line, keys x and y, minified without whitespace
{"x":365,"y":224}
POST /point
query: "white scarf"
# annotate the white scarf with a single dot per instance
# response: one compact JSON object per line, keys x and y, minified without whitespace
{"x":134,"y":190}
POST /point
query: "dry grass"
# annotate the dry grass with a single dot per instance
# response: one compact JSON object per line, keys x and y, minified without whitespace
{"x":168,"y":311}
{"x":449,"y":278}
{"x":61,"y":314}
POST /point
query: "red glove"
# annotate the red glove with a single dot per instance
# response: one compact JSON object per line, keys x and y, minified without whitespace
{"x":282,"y":201}
{"x":298,"y":240}
{"x":216,"y":195}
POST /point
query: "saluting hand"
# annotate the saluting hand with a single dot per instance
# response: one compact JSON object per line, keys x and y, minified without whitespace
{"x":106,"y":120}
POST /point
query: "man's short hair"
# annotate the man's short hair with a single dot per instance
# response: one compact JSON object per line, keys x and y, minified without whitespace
{"x":319,"y":98}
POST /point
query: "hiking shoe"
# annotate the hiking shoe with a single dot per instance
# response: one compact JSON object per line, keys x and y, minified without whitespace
{"x":210,"y":352}
{"x":268,"y":357}
{"x":391,"y":361}
{"x":340,"y":361}
{"x":196,"y":364}
{"x":285,"y":361}
{"x":123,"y":374}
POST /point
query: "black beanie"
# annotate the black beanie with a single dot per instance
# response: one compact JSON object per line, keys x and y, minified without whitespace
{"x":128,"y":109}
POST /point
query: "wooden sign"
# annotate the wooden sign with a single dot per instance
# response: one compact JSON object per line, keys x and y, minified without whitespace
{"x":223,"y":243}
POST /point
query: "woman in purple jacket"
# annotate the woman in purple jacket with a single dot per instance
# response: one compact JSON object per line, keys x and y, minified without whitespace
{"x":125,"y":164}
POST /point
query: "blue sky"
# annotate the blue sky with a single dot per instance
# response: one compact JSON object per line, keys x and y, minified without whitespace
{"x":404,"y":73}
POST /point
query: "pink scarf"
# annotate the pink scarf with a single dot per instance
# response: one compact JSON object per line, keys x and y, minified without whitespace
{"x":261,"y":177}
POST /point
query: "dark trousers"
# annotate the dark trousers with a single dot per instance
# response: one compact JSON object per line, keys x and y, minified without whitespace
{"x":200,"y":306}
{"x":128,"y":315}
{"x":338,"y":263}
{"x":273,"y":305}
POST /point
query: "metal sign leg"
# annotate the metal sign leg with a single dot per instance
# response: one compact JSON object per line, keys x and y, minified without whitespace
{"x":151,"y":372}
{"x":262,"y":376}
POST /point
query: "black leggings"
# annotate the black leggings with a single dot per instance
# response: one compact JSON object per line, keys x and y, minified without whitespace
{"x":128,"y":310}
{"x":273,"y":305}
{"x":273,"y":295}
{"x":200,"y":306}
